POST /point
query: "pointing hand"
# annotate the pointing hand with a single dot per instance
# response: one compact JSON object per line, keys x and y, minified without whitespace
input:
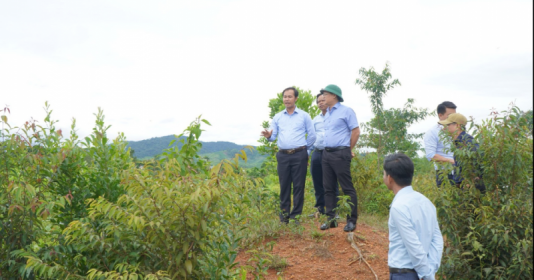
{"x":267,"y":134}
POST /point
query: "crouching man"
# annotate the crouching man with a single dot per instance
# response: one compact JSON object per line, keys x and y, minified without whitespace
{"x":415,"y":240}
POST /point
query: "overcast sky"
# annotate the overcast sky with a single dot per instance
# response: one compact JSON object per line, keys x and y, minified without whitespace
{"x":153,"y":66}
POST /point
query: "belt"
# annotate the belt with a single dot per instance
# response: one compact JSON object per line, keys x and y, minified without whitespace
{"x":401,"y":270}
{"x":333,"y":149}
{"x":292,"y":151}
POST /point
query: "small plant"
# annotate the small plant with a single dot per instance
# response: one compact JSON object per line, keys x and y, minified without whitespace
{"x":372,"y":257}
{"x":295,"y":227}
{"x":316,"y":235}
{"x":262,"y":261}
{"x":278,"y":263}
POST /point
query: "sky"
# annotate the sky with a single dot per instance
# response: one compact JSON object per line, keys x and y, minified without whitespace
{"x":154,"y":66}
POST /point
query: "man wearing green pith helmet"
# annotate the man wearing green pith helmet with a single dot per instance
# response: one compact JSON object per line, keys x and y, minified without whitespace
{"x":341,"y":135}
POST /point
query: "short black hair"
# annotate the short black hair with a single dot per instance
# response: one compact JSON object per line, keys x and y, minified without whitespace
{"x":442,"y":108}
{"x":400,"y":167}
{"x":294,"y":90}
{"x":317,"y":97}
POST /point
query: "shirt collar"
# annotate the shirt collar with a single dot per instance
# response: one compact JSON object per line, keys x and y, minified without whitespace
{"x":296,"y":110}
{"x":335,"y":106}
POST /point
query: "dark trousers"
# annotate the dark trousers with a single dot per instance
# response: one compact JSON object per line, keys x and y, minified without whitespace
{"x":336,"y":167}
{"x":292,"y":170}
{"x":439,"y":181}
{"x":316,"y":170}
{"x":403,"y":276}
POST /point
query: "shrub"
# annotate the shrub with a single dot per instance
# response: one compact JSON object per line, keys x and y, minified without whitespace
{"x":490,"y":236}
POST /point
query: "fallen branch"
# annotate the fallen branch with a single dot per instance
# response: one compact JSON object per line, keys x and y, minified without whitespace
{"x":350,"y":239}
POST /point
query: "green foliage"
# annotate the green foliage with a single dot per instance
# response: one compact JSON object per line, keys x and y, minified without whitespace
{"x":373,"y":196}
{"x":387,"y":131}
{"x":45,"y":180}
{"x":74,"y":209}
{"x":490,"y":235}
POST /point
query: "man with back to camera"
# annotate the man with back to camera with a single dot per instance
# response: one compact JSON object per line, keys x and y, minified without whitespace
{"x":316,"y":168}
{"x":454,"y":125}
{"x":341,"y":134}
{"x":415,"y":240}
{"x":436,"y":150}
{"x":290,"y":126}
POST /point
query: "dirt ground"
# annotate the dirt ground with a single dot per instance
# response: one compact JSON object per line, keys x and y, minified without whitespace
{"x":316,"y":254}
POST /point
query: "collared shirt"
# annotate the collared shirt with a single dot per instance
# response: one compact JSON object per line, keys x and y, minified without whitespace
{"x":434,"y":145}
{"x":339,"y":122}
{"x":318,"y":124}
{"x":292,"y":129}
{"x":415,"y":240}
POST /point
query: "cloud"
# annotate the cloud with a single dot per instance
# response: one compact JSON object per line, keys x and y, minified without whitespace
{"x":153,"y":67}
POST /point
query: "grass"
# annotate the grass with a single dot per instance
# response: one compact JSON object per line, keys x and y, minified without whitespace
{"x":317,"y":235}
{"x":375,"y":221}
{"x":372,"y":256}
{"x":278,"y":263}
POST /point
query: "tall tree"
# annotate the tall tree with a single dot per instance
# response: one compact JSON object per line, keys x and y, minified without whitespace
{"x":387,"y":131}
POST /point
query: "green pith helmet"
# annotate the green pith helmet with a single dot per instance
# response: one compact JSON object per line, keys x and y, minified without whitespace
{"x":335,"y":90}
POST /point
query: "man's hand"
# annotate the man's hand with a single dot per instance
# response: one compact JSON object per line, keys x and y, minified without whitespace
{"x":267,"y":134}
{"x":352,"y":154}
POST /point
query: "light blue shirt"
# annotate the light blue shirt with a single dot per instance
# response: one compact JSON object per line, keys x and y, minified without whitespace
{"x":339,"y":122}
{"x":434,"y":145}
{"x":318,"y":124}
{"x":415,"y":240}
{"x":291,"y":130}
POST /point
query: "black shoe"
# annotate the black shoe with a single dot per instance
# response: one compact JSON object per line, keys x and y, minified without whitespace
{"x":295,"y":222}
{"x":328,"y":225}
{"x":349,"y":227}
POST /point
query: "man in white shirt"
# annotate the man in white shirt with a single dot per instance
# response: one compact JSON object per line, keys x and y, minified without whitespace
{"x":436,"y":150}
{"x":415,"y":240}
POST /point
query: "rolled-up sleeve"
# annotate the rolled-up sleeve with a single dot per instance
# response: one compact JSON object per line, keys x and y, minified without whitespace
{"x":431,"y":144}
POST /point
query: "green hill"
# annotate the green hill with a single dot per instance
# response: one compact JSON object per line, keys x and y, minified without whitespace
{"x":214,"y":151}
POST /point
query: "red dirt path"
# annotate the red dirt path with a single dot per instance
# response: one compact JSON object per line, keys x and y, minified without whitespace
{"x":329,"y":256}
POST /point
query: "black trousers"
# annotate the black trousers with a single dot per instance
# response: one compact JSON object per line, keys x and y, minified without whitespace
{"x":316,"y":170}
{"x":292,"y":170}
{"x":336,"y":167}
{"x":404,"y":276}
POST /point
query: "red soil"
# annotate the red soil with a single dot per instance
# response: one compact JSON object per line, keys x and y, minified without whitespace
{"x":329,"y":256}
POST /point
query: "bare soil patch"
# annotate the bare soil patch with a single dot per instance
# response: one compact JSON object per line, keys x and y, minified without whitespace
{"x":316,"y":254}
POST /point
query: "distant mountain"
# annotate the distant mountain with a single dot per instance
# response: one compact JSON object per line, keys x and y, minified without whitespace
{"x":215,"y":151}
